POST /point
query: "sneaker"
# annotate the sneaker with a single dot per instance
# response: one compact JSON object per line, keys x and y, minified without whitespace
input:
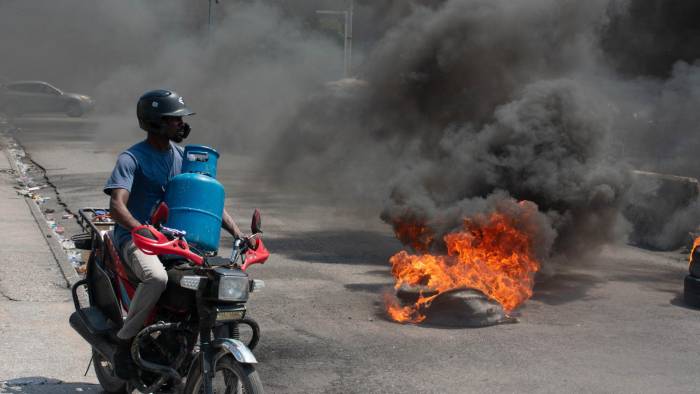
{"x":124,"y":366}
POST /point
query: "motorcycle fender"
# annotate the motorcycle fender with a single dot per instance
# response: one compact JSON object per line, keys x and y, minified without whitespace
{"x":236,"y":348}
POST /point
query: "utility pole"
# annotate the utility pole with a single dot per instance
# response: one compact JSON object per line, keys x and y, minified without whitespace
{"x":211,"y":16}
{"x":210,"y":24}
{"x":347,"y":46}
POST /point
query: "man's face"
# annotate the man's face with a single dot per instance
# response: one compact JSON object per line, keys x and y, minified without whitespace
{"x":174,"y":127}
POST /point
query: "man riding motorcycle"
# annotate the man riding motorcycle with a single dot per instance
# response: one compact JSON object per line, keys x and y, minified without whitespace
{"x":136,"y":186}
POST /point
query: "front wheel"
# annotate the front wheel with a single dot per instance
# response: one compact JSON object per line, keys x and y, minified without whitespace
{"x":74,"y":110}
{"x":105,"y":375}
{"x":230,"y":376}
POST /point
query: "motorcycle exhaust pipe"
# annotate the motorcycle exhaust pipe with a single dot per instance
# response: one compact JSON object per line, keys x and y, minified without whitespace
{"x":103,"y":346}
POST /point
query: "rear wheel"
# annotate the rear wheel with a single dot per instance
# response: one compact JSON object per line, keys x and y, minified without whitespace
{"x":74,"y":110}
{"x":105,"y":375}
{"x":10,"y":111}
{"x":230,"y":377}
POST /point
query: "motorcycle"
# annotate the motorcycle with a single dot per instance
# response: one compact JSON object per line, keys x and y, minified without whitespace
{"x":191,"y":342}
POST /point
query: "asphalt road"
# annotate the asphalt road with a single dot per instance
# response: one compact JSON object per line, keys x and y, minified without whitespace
{"x":611,"y":323}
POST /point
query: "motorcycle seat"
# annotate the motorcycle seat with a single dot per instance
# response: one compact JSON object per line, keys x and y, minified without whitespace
{"x":97,"y":321}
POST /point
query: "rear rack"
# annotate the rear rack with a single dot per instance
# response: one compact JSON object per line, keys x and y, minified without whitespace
{"x":95,"y":219}
{"x":95,"y":222}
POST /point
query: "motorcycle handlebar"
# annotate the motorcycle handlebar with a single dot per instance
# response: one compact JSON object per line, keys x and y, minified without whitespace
{"x":153,"y":242}
{"x":173,"y":232}
{"x":254,"y":251}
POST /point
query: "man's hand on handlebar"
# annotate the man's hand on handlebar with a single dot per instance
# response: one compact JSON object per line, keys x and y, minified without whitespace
{"x":146,"y":233}
{"x":246,"y":242}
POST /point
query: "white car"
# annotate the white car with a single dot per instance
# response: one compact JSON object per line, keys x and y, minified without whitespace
{"x":32,"y":97}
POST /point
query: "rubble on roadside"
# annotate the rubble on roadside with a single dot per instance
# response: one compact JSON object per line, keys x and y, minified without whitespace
{"x":30,"y":184}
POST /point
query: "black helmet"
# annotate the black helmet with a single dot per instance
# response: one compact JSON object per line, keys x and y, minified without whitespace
{"x":156,"y":104}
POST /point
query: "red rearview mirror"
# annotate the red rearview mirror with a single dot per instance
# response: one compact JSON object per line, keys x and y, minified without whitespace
{"x":256,"y":223}
{"x":160,"y":215}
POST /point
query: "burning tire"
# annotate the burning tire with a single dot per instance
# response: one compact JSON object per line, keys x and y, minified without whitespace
{"x":410,"y":294}
{"x":466,"y":308}
{"x":691,"y":291}
{"x":462,"y":307}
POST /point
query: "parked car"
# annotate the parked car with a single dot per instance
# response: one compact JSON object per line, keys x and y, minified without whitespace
{"x":32,"y":97}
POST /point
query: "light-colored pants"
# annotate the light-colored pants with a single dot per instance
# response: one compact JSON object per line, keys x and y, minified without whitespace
{"x":150,"y":271}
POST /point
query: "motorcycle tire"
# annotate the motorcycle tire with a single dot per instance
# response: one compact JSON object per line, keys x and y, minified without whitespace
{"x":691,"y":291}
{"x":245,"y":373}
{"x":105,"y":375}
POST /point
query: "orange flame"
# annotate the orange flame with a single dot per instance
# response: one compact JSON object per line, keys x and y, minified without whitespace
{"x":696,"y":243}
{"x":420,"y":237}
{"x":493,"y":257}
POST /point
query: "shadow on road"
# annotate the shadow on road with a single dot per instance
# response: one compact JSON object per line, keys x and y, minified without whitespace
{"x":654,"y":277}
{"x":54,"y":122}
{"x":678,"y":301}
{"x":563,"y":287}
{"x":42,"y":385}
{"x":374,"y":288}
{"x":337,"y":247}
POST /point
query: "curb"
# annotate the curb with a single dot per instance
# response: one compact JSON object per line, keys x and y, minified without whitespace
{"x":69,"y":273}
{"x":67,"y":270}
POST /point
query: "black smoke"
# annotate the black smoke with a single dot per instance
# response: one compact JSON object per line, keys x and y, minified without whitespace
{"x":455,"y":101}
{"x":647,"y":38}
{"x":462,"y":100}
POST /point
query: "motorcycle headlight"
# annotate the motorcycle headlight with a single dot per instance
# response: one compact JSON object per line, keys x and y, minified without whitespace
{"x":233,"y":288}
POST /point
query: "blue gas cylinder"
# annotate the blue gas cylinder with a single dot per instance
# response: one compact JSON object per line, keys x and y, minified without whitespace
{"x":196,"y":199}
{"x":200,"y":159}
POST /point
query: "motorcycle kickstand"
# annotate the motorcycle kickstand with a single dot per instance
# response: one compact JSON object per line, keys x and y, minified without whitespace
{"x":89,"y":363}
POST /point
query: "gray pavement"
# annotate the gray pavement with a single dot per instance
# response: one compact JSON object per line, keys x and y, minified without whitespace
{"x":39,"y":353}
{"x":613,"y":322}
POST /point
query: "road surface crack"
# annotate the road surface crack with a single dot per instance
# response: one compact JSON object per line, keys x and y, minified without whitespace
{"x":7,"y":297}
{"x":48,"y":181}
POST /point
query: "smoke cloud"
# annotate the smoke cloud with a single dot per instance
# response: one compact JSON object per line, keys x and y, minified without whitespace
{"x":543,"y":147}
{"x":460,"y":107}
{"x":242,"y":79}
{"x":469,"y":99}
